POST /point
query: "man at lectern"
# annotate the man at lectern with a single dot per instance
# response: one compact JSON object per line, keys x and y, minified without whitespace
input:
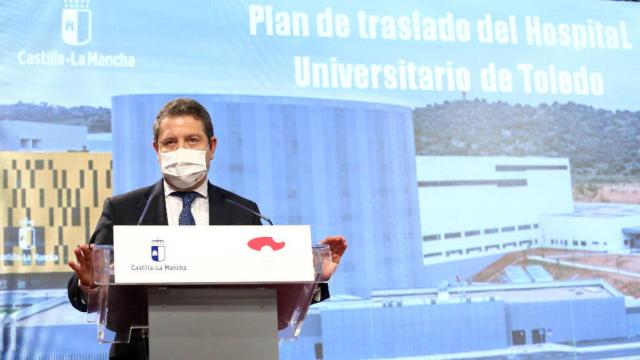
{"x":184,"y":142}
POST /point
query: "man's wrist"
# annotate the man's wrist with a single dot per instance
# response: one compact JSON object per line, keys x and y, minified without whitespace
{"x":81,"y":284}
{"x":84,"y":291}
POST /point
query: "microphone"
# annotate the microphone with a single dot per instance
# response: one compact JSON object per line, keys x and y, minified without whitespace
{"x":146,"y":208}
{"x":234,"y":203}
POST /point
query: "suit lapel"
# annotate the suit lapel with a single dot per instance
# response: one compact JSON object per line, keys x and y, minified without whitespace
{"x":157,"y":212}
{"x":219,"y":213}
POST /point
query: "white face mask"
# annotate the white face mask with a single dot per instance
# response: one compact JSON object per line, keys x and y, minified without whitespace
{"x":183,"y":168}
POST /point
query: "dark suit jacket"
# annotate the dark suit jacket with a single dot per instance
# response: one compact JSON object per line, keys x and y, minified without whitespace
{"x":126,"y":209}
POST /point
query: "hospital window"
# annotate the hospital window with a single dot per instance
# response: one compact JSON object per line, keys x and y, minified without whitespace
{"x":431,"y":237}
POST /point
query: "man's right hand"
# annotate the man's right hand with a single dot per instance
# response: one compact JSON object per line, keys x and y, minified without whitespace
{"x":82,"y":267}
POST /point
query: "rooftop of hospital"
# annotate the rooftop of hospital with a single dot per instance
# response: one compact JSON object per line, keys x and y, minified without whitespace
{"x":508,"y":293}
{"x":601,"y":210}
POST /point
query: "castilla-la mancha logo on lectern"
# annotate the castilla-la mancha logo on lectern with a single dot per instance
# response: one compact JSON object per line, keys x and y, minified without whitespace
{"x":76,"y":22}
{"x":158,"y":251}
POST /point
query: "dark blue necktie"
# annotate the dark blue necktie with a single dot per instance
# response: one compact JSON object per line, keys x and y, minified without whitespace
{"x":186,"y":217}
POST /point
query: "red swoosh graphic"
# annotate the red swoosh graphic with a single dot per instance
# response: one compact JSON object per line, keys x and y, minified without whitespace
{"x":258,"y":243}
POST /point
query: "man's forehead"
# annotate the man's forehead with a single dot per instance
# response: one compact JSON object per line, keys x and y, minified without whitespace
{"x":180,"y":122}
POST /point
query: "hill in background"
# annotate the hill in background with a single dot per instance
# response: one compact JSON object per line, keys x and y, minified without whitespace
{"x":96,"y":119}
{"x":602,"y":146}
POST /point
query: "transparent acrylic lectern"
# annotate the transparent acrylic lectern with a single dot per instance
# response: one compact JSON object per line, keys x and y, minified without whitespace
{"x":201,"y":321}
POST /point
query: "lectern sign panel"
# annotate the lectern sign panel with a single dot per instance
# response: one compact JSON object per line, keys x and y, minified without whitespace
{"x":212,"y":254}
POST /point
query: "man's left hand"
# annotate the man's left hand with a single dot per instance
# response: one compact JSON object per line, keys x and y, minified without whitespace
{"x":337,"y":246}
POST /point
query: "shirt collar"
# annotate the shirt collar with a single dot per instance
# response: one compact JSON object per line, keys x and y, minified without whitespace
{"x":202,"y":189}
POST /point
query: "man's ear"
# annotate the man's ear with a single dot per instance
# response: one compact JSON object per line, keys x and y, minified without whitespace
{"x":155,"y":148}
{"x":213,"y":142}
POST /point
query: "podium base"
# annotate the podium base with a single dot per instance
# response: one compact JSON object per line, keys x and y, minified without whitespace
{"x":212,"y":323}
